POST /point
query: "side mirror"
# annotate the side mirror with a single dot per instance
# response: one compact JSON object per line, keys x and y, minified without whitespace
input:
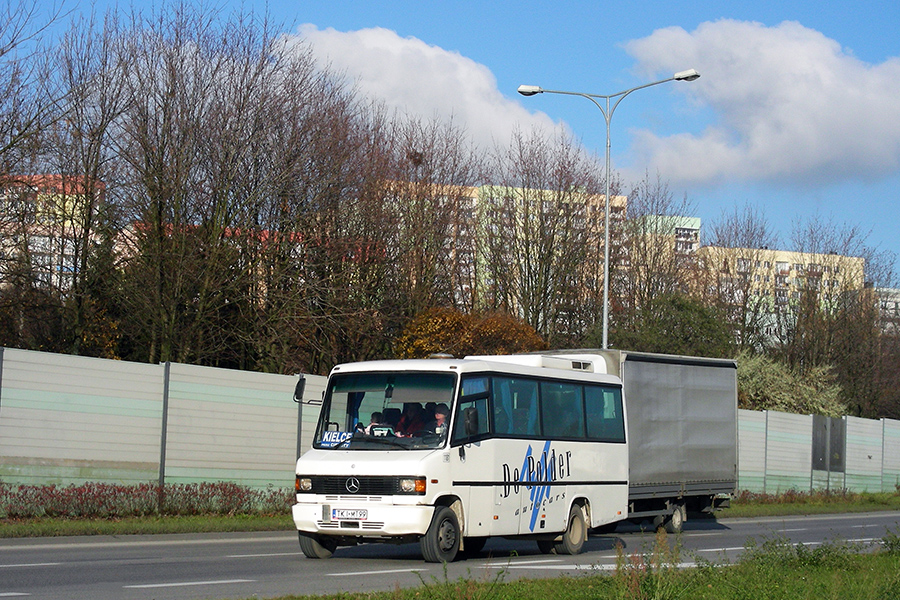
{"x":298,"y":391}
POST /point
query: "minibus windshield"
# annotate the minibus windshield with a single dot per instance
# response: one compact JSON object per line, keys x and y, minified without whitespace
{"x":385,"y":410}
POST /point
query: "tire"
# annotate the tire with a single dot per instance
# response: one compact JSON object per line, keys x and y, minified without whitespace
{"x":546,"y":546}
{"x":441,"y":542}
{"x":473,"y":545}
{"x":314,"y":546}
{"x":675,"y":522}
{"x":575,"y":534}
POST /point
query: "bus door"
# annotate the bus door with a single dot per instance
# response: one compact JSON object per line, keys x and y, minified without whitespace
{"x":491,"y":506}
{"x":525,"y":454}
{"x":547,"y":464}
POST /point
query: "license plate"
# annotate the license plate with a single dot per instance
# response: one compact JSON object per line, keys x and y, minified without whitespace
{"x":349,"y":514}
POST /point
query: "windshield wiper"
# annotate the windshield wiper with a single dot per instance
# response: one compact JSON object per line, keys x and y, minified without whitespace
{"x":387,"y":440}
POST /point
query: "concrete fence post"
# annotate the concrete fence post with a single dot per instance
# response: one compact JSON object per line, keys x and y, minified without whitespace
{"x":161,"y":497}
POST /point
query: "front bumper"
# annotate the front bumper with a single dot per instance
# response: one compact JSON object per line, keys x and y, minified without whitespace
{"x":381,"y":520}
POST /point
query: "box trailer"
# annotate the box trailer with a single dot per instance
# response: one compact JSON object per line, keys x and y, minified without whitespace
{"x":682,"y":432}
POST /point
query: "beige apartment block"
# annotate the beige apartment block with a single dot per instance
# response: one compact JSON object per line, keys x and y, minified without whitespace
{"x":781,"y":275}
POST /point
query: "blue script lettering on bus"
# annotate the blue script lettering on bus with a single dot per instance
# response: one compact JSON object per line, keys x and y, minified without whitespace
{"x":333,"y":438}
{"x":549,"y":467}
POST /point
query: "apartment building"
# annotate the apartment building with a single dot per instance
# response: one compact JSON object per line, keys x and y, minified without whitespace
{"x":889,"y":309}
{"x":529,"y":235}
{"x":762,"y":285}
{"x":784,"y":275}
{"x":42,"y":224}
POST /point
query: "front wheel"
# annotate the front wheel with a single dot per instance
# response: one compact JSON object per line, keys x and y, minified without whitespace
{"x":441,"y":542}
{"x":314,"y":546}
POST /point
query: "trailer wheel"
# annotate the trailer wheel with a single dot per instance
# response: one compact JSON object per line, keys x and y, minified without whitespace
{"x":315,"y":546}
{"x":576,"y":532}
{"x":441,"y":542}
{"x":675,"y":522}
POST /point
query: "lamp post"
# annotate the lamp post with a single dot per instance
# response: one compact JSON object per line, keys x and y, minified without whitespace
{"x":531,"y":90}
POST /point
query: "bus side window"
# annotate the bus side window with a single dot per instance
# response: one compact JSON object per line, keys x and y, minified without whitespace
{"x":525,"y":409}
{"x":604,"y":414}
{"x":502,"y":402}
{"x":471,"y":417}
{"x":562,"y":410}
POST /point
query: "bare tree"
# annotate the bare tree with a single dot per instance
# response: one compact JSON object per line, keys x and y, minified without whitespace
{"x":834,"y":318}
{"x":538,"y":233}
{"x":80,"y":150}
{"x":432,"y":200}
{"x":28,"y":100}
{"x":736,"y":272}
{"x":29,"y":315}
{"x":654,"y":262}
{"x":180,"y":255}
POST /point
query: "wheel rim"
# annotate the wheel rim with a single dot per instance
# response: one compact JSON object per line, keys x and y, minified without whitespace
{"x":446,"y":535}
{"x":576,"y":530}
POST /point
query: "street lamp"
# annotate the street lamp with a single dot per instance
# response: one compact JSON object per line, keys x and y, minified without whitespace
{"x":531,"y":90}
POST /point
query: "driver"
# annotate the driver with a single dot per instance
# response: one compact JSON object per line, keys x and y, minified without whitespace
{"x":441,"y":415}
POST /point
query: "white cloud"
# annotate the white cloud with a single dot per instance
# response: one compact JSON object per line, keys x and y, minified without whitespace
{"x":421,"y":80}
{"x":790,"y":105}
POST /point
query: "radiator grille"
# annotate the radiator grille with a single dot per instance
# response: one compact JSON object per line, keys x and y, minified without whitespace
{"x":341,"y":485}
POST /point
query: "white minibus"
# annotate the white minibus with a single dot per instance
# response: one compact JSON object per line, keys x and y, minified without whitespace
{"x":449,"y":452}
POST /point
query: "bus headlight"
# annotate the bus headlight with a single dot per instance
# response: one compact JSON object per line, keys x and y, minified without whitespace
{"x":303,"y":484}
{"x":412,"y":485}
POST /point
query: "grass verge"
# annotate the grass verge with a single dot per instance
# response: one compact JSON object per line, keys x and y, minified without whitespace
{"x":747,"y":504}
{"x":773,"y":570}
{"x":744,"y":505}
{"x":51,"y":527}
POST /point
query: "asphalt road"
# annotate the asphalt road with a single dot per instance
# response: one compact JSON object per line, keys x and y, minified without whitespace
{"x":266,"y":565}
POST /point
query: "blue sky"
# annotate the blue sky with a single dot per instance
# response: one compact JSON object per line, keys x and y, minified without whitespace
{"x":797,"y":111}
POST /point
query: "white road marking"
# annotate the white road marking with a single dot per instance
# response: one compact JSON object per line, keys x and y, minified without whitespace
{"x":186,"y":584}
{"x":263,"y":555}
{"x":386,"y":572}
{"x":527,"y":562}
{"x":30,"y":565}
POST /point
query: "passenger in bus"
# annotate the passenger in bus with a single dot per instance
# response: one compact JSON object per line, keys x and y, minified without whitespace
{"x":391,"y":417}
{"x":377,"y":420}
{"x":412,"y":420}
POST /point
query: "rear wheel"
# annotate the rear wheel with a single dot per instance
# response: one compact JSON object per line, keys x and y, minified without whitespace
{"x":573,"y":538}
{"x":441,"y":542}
{"x":576,"y":531}
{"x":315,"y":546}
